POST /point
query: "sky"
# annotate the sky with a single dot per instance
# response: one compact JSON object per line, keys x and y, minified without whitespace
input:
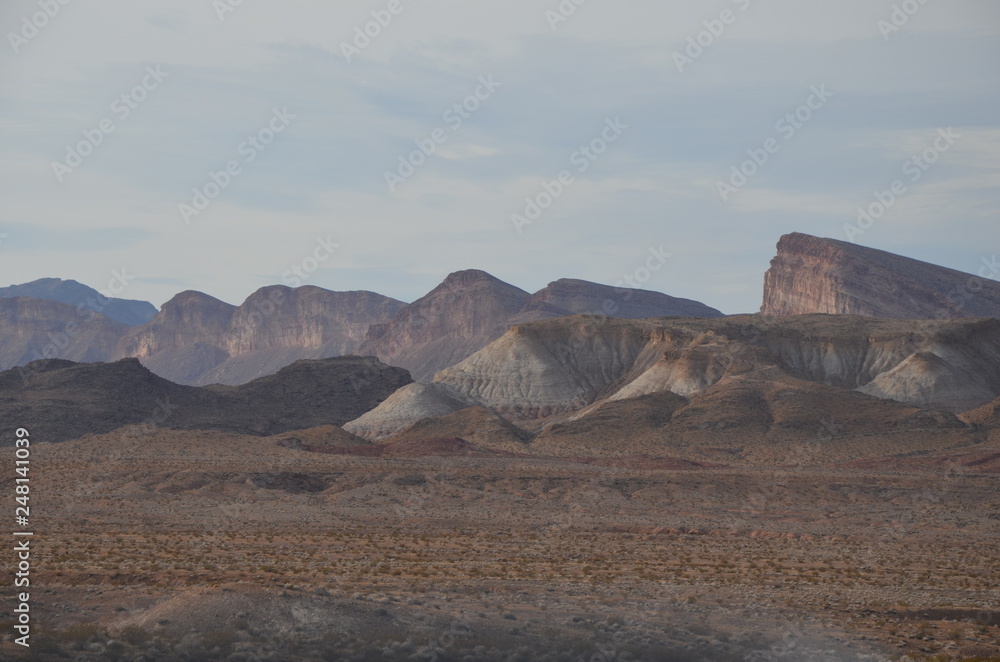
{"x":379,"y":145}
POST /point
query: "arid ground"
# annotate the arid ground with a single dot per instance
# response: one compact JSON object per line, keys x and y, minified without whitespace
{"x":178,"y":545}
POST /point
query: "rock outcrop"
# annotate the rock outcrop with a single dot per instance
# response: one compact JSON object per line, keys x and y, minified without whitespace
{"x":34,"y":329}
{"x":764,"y":416}
{"x":471,"y":309}
{"x":197,"y":339}
{"x":557,"y":367}
{"x":813,"y":275}
{"x":278,"y":325}
{"x":463,"y":314}
{"x":407,"y":406}
{"x":183,"y":338}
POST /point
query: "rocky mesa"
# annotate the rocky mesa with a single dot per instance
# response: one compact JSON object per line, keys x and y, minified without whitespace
{"x":814,"y":275}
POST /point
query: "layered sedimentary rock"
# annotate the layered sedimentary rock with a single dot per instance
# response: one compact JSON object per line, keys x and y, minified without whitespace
{"x":470,"y":309}
{"x":197,"y":339}
{"x":556,"y":367}
{"x":182,"y":341}
{"x":814,"y":275}
{"x":33,"y":329}
{"x":278,"y":325}
{"x":408,"y":405}
{"x":764,"y":416}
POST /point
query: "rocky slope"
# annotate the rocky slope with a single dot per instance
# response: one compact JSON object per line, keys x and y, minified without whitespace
{"x":570,"y":296}
{"x":470,"y":309}
{"x":477,"y":425}
{"x":123,"y":311}
{"x":59,"y":400}
{"x":458,"y":317}
{"x":407,"y":406}
{"x":761,"y":417}
{"x":556,"y":367}
{"x":813,"y":275}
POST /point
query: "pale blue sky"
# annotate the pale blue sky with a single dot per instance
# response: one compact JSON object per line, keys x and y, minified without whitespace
{"x":324,"y":173}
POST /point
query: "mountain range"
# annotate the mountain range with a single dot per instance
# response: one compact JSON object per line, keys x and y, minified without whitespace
{"x":196,"y":339}
{"x":123,"y":311}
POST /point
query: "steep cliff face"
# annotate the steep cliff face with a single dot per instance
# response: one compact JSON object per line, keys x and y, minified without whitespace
{"x":278,"y":325}
{"x":813,"y":275}
{"x":187,"y":320}
{"x":279,"y":316}
{"x":182,"y":341}
{"x":33,"y":329}
{"x":197,"y":339}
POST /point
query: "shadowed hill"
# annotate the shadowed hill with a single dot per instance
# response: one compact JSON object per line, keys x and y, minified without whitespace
{"x":61,"y":400}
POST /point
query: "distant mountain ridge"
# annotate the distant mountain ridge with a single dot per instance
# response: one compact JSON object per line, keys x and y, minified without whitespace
{"x":197,"y":339}
{"x":471,"y":309}
{"x":125,"y":311}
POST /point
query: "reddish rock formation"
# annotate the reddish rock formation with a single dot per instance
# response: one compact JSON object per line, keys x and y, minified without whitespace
{"x":470,"y":309}
{"x":463,"y":314}
{"x":813,"y":275}
{"x":33,"y":329}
